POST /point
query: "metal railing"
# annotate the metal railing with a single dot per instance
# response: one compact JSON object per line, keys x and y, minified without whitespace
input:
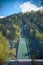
{"x":27,"y":60}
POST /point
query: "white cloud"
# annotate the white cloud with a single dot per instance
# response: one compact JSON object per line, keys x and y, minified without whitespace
{"x":2,"y":16}
{"x":28,"y":6}
{"x":41,"y":8}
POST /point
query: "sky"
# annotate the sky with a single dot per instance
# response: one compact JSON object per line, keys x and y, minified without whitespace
{"x":9,"y":7}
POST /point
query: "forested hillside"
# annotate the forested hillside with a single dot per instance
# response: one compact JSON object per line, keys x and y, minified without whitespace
{"x":32,"y":29}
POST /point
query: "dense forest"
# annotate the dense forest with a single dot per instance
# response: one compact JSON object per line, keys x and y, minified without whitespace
{"x":32,"y":30}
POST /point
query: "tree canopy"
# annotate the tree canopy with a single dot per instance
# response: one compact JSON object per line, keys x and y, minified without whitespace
{"x":4,"y":48}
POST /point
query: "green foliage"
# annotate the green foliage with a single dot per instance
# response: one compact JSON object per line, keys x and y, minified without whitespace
{"x":33,"y":29}
{"x":39,"y":35}
{"x":4,"y":48}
